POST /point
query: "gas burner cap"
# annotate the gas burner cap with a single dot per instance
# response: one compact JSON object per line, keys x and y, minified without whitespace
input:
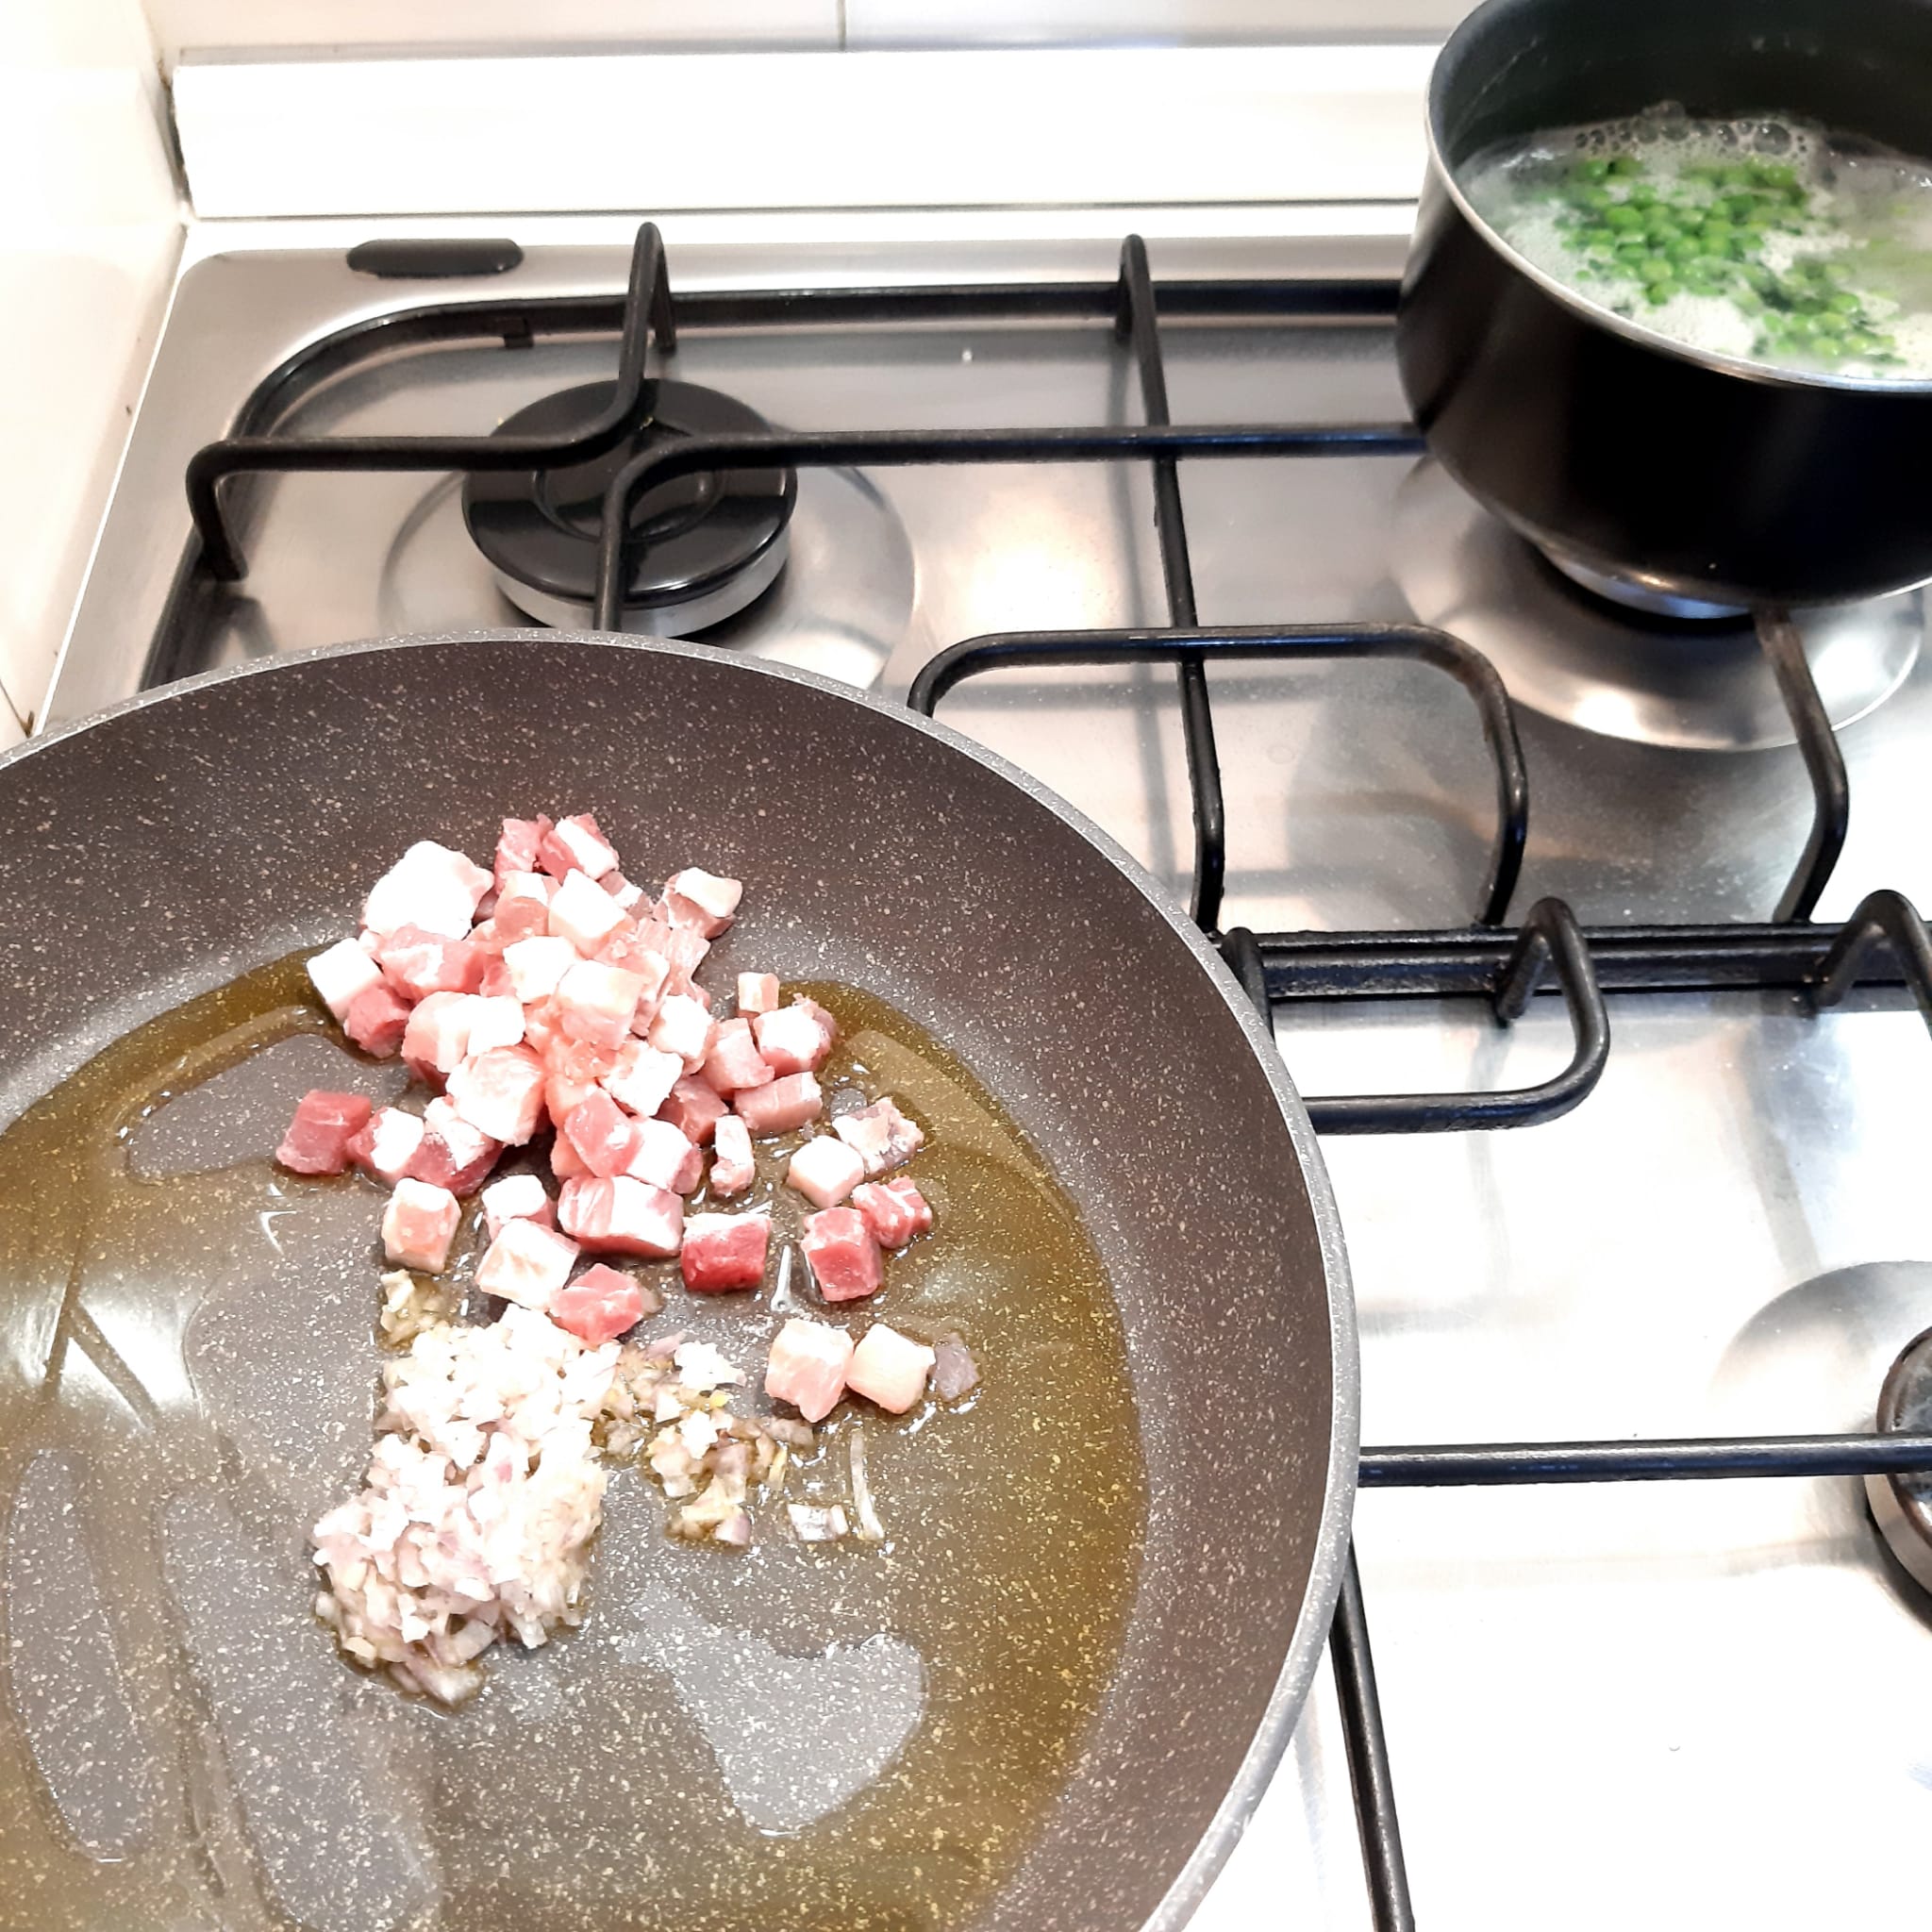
{"x":1693,"y":677}
{"x":1902,"y":1505}
{"x":1637,"y":592}
{"x":706,"y":545}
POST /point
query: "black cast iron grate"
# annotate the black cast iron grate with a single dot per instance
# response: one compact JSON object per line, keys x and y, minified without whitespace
{"x":1885,"y":942}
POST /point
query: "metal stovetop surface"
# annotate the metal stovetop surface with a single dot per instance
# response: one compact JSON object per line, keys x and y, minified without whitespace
{"x":1684,"y":1702}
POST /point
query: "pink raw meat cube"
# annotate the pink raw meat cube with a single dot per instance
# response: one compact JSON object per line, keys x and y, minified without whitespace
{"x":517,"y":1197}
{"x":825,"y":1171}
{"x":526,"y":1263}
{"x":895,"y":1210}
{"x":758,"y":992}
{"x":595,"y":1002}
{"x":377,"y":1021}
{"x":641,"y":1078}
{"x":575,"y":1070}
{"x":537,"y":965}
{"x":795,"y":1039}
{"x":603,"y":1134}
{"x":429,"y":886}
{"x":880,"y":1135}
{"x":418,"y":1226}
{"x":497,"y":1020}
{"x":620,"y":888}
{"x":693,"y":1109}
{"x":622,"y":1217}
{"x":723,"y":1252}
{"x":661,"y":1155}
{"x":498,"y":984}
{"x":734,"y":1061}
{"x":575,"y":844}
{"x":780,"y":1107}
{"x":733,"y":1167}
{"x":524,"y":917}
{"x":585,"y":914}
{"x":419,"y":963}
{"x":600,"y":1305}
{"x":888,"y":1368}
{"x":500,"y":1093}
{"x":702,"y":900}
{"x":566,"y":1163}
{"x":319,"y":1135}
{"x":384,"y":1148}
{"x":454,"y":1155}
{"x":807,"y":1366}
{"x":682,"y":948}
{"x":517,"y":846}
{"x":684,"y":1027}
{"x":438,"y":1036}
{"x":341,"y":973}
{"x":845,"y":1260}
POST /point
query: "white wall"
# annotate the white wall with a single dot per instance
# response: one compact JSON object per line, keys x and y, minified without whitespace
{"x":89,"y":238}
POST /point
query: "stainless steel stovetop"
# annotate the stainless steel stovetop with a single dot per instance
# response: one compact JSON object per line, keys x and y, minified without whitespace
{"x":1684,"y":1703}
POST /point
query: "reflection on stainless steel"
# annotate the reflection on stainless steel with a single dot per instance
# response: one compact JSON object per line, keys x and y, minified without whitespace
{"x":1695,"y":1249}
{"x":1902,"y":1505}
{"x":1673,"y":674}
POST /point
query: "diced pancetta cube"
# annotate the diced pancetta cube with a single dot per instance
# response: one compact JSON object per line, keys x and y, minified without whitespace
{"x":517,"y":846}
{"x":319,"y":1135}
{"x":517,"y":919}
{"x":620,"y":888}
{"x":526,"y":1264}
{"x":825,"y":1171}
{"x":627,"y":946}
{"x":418,"y":1226}
{"x":807,"y":1367}
{"x":453,"y":1154}
{"x":795,"y":1039}
{"x":341,"y":973}
{"x":595,"y":1003}
{"x":517,"y":1197}
{"x":684,"y":1027}
{"x":888,"y":1368}
{"x":498,"y":984}
{"x":524,"y":884}
{"x":733,"y":1167}
{"x":376,"y":1020}
{"x":734,"y":1061}
{"x":429,"y":886}
{"x":566,"y":1163}
{"x":497,"y":1021}
{"x":600,"y":1305}
{"x":895,"y":1210}
{"x":845,"y":1260}
{"x":702,"y":900}
{"x":880,"y":1135}
{"x":384,"y":1147}
{"x":622,"y":1217}
{"x":758,"y":992}
{"x":725,"y":1252}
{"x":603,"y":1134}
{"x":537,"y":965}
{"x":661,"y":1155}
{"x":780,"y":1107}
{"x":585,"y":914}
{"x":642,"y":1078}
{"x":541,"y":1031}
{"x":500,"y":1093}
{"x":575,"y":1068}
{"x":681,"y":947}
{"x":418,"y":963}
{"x":577,"y":844}
{"x":693,"y":1109}
{"x":438,"y":1036}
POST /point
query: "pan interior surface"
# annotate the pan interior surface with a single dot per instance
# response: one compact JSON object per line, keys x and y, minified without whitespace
{"x":185,"y":841}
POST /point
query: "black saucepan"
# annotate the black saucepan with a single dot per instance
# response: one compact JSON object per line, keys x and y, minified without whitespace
{"x":162,"y":848}
{"x":1612,"y":450}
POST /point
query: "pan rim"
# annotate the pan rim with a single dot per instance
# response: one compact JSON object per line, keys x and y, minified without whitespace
{"x":1285,"y":1700}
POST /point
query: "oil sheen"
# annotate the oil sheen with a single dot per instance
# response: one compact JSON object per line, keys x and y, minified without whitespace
{"x":827,"y":1737}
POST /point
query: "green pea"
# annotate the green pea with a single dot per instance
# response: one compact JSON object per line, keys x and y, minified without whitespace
{"x":1593,"y":196}
{"x":1654,"y":269}
{"x":1626,"y":164}
{"x":1659,"y":293}
{"x":1641,"y":195}
{"x":1717,"y":233}
{"x":1590,"y":167}
{"x":1622,"y":215}
{"x":1859,"y":342}
{"x":1845,"y":303}
{"x":1683,"y":247}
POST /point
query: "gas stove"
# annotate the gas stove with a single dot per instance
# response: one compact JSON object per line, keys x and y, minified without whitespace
{"x":1412,"y":775}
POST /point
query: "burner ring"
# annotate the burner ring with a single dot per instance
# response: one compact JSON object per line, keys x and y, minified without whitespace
{"x":706,"y":545}
{"x":1902,"y":1505}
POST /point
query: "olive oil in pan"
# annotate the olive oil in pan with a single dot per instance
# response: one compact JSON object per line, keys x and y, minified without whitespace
{"x":191,"y":1340}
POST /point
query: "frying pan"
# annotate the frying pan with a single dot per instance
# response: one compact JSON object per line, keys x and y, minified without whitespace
{"x":159,"y":849}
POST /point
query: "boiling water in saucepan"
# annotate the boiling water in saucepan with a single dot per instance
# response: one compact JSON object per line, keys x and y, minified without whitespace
{"x":828,"y":1737}
{"x":1765,"y":239}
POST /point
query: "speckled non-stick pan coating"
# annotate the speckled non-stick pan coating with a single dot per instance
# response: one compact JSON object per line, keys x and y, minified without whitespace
{"x":159,"y":850}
